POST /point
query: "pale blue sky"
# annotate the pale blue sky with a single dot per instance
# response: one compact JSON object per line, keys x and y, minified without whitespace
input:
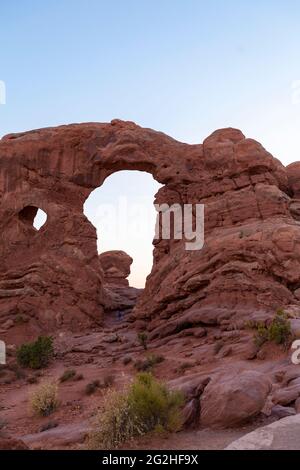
{"x":185,"y":67}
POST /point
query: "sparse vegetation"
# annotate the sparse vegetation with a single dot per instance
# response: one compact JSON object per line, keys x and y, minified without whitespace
{"x":48,"y":426}
{"x":3,"y":423}
{"x":143,"y":340}
{"x":184,"y":366}
{"x":278,"y":331}
{"x":32,"y":380}
{"x":142,"y":365}
{"x":92,"y":387}
{"x":107,"y":381}
{"x":146,"y":406}
{"x":127,"y":360}
{"x":78,"y":377}
{"x":20,"y":319}
{"x":68,"y":374}
{"x":37,"y":354}
{"x":44,"y":399}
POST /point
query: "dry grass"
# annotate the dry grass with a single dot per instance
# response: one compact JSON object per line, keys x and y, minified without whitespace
{"x":147,"y":405}
{"x":43,"y":400}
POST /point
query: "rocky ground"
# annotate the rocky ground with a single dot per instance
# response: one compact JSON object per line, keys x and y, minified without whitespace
{"x":230,"y":390}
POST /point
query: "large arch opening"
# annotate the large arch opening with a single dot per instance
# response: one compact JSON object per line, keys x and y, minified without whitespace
{"x":123,"y":214}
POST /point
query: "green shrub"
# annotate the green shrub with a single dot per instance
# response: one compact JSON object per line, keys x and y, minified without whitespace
{"x":261,"y":335}
{"x":279,"y":330}
{"x":36,"y":354}
{"x":154,"y":404}
{"x":44,"y":399}
{"x":68,"y":374}
{"x":143,"y":338}
{"x":20,"y":319}
{"x":146,"y":406}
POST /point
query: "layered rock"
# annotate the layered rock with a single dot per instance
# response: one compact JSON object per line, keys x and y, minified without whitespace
{"x":120,"y":298}
{"x":116,"y":267}
{"x":250,"y":261}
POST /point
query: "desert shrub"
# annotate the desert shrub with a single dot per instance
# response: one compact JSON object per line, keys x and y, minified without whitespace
{"x":147,"y":405}
{"x":154,"y":404}
{"x":108,"y":380}
{"x":44,"y":400}
{"x":92,"y":387}
{"x":143,"y":338}
{"x":20,"y":319}
{"x":142,"y":365}
{"x":184,"y":366}
{"x":36,"y":354}
{"x":127,"y":360}
{"x":48,"y":426}
{"x":68,"y":374}
{"x":261,"y":335}
{"x":78,"y":377}
{"x":114,"y":424}
{"x":3,"y":423}
{"x":278,"y":331}
{"x":32,"y":380}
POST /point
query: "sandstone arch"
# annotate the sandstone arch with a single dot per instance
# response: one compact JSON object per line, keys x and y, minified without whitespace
{"x":55,"y":276}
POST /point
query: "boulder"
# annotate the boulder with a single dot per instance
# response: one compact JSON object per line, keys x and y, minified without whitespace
{"x":280,"y":412}
{"x":232,"y":399}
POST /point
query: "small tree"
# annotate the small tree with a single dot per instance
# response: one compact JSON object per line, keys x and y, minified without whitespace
{"x":143,"y":338}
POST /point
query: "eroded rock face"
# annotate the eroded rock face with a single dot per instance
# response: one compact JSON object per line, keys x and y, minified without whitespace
{"x":251,"y":257}
{"x":116,"y":267}
{"x":119,"y":297}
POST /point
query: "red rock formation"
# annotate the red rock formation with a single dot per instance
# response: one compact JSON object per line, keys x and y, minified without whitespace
{"x":119,"y":297}
{"x":116,"y":267}
{"x":235,"y":399}
{"x":250,"y":261}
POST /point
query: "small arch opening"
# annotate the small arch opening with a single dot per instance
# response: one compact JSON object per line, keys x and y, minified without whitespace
{"x":33,"y":216}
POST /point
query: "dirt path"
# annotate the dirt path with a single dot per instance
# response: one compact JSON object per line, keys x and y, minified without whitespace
{"x":203,"y":439}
